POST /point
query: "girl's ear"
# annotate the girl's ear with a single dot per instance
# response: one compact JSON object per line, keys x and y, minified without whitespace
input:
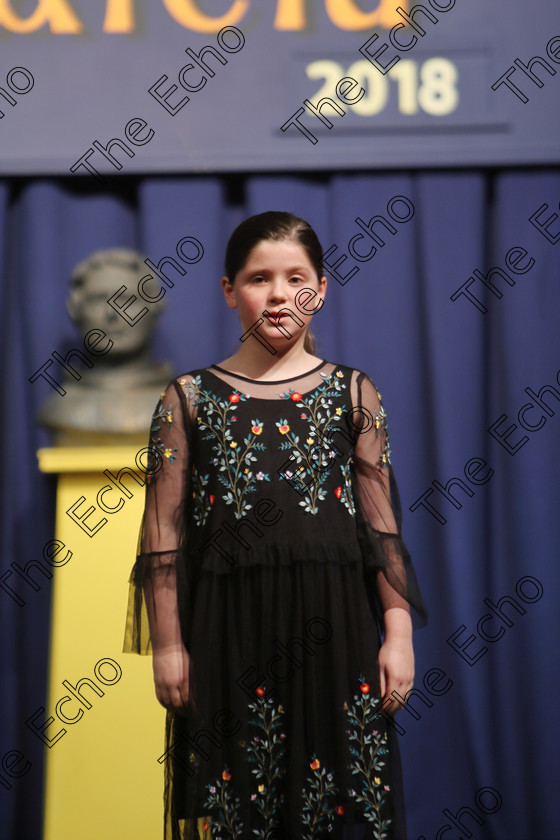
{"x":322,"y":289}
{"x":228,"y":293}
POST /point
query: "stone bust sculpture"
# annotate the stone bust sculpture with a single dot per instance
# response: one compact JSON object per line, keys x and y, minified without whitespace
{"x":116,"y":396}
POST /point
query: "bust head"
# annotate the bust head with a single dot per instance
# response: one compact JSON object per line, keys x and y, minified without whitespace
{"x":115,"y":397}
{"x":94,"y":281}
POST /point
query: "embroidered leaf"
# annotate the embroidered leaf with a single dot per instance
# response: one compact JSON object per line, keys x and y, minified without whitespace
{"x":266,"y":751}
{"x":224,"y":808}
{"x":318,"y":807}
{"x":367,"y":746}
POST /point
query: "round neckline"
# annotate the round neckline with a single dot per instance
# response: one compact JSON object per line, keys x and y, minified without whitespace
{"x":270,"y":381}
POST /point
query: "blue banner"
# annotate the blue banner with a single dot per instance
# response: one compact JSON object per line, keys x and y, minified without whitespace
{"x":139,"y":86}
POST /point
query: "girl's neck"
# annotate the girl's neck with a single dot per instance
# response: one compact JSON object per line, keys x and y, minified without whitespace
{"x":268,"y":367}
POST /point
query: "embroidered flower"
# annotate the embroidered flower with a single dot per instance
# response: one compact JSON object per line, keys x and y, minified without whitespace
{"x":261,"y":788}
{"x":234,"y":398}
{"x":386,"y":787}
{"x":233,"y":445}
{"x":212,"y":498}
{"x":260,"y":476}
{"x":338,"y":492}
{"x":315,"y":764}
{"x":338,"y":411}
{"x":310,"y":441}
{"x":303,"y":416}
{"x":226,"y":776}
{"x":205,"y":825}
{"x":295,"y":396}
{"x":260,"y":691}
{"x":339,"y":374}
{"x":257,"y":427}
{"x":168,"y":453}
{"x":339,"y":810}
{"x":182,"y":380}
{"x":283,"y":428}
{"x":364,"y":688}
{"x":376,"y":780}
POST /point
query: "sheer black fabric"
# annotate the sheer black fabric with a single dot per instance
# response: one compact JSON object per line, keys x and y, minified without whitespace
{"x":378,"y":510}
{"x":159,"y":582}
{"x":270,"y":548}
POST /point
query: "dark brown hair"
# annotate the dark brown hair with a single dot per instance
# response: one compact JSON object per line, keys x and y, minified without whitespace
{"x":276,"y":226}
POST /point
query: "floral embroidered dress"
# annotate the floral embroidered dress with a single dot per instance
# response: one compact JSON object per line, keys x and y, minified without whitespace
{"x":272,"y":512}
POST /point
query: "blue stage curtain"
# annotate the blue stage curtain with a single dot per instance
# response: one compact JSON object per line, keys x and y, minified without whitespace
{"x":446,"y":371}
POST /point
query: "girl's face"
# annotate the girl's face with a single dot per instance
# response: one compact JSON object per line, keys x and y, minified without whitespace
{"x":270,"y":280}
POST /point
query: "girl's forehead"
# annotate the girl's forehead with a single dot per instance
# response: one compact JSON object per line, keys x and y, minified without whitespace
{"x":279,"y":251}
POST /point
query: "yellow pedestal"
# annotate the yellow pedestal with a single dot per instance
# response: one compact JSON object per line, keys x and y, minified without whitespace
{"x":103,"y":779}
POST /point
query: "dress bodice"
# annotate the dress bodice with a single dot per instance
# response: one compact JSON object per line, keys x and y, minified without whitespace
{"x":278,"y":463}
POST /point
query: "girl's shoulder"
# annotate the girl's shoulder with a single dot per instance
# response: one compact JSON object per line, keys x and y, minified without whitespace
{"x":193,"y":376}
{"x":189,"y":375}
{"x":357,"y":374}
{"x":184,"y":384}
{"x":363,"y":388}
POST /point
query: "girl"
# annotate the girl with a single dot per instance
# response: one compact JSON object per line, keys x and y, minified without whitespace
{"x":270,"y":566}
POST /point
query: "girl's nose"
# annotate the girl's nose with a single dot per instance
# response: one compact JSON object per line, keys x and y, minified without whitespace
{"x":278,"y":293}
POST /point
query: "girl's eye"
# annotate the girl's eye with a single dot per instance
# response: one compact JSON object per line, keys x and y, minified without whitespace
{"x":259,"y":279}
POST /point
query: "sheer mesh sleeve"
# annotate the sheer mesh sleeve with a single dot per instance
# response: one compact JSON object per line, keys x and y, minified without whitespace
{"x":153,"y":619}
{"x":378,"y":507}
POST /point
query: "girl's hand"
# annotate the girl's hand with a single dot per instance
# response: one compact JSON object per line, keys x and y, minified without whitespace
{"x":396,"y":670}
{"x":171,"y":677}
{"x":396,"y":658}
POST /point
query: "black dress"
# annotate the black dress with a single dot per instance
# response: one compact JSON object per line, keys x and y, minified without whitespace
{"x":272,"y":510}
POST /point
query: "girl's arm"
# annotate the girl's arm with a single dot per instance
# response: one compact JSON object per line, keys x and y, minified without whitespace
{"x":385,"y":554}
{"x":170,"y":659}
{"x":160,"y":553}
